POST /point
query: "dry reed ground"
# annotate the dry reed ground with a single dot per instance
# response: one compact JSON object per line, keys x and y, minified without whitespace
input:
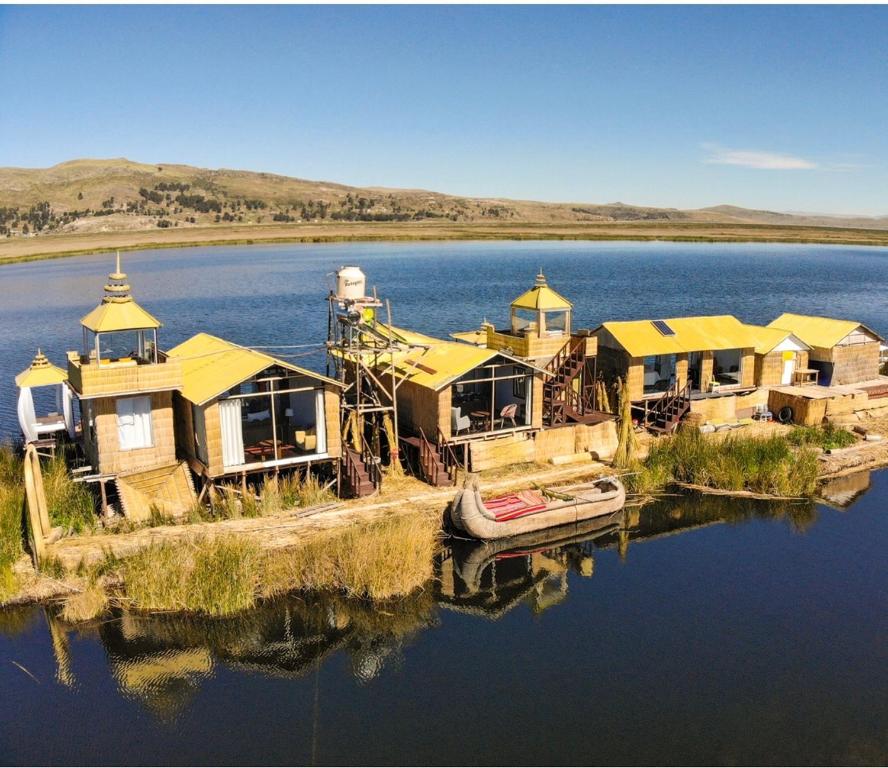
{"x":54,"y":246}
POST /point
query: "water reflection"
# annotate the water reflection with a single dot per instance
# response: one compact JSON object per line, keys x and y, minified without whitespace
{"x":162,"y":660}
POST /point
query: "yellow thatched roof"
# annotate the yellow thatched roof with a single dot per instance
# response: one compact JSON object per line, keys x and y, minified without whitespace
{"x":439,"y":362}
{"x":118,"y":311}
{"x":40,"y":373}
{"x":211,"y":366}
{"x":641,"y":338}
{"x":766,"y":338}
{"x":541,"y":297}
{"x":819,"y":331}
{"x":119,"y":316}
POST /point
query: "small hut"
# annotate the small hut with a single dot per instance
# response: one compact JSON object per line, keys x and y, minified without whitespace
{"x":781,"y":357}
{"x":41,"y":374}
{"x":243,"y":411}
{"x":456,"y":392}
{"x":125,"y":387}
{"x":708,"y":353}
{"x":842,"y":351}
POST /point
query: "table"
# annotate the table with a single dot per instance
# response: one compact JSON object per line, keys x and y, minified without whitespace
{"x":265,"y":448}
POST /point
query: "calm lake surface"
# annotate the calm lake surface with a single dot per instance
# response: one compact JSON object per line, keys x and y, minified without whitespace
{"x":274,"y":294}
{"x":696,"y":630}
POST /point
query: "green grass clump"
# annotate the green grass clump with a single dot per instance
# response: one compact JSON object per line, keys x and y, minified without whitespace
{"x":12,"y":499}
{"x":828,"y":436}
{"x":737,"y":463}
{"x":70,"y":504}
{"x":216,"y":576}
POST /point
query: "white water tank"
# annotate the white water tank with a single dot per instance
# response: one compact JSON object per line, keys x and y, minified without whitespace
{"x":351,"y":284}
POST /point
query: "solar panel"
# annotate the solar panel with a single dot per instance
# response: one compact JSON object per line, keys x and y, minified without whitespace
{"x":663,"y":327}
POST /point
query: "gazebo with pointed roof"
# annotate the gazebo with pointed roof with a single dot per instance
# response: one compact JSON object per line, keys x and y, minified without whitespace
{"x":42,"y":373}
{"x":121,"y":330}
{"x":541,"y":311}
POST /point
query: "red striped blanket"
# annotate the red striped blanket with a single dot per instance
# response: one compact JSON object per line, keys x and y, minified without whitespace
{"x":515,"y":505}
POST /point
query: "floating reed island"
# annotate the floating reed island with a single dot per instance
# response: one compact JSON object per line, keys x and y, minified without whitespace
{"x":131,"y":437}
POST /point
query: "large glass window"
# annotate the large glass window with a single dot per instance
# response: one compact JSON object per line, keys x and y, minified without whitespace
{"x":273,"y":417}
{"x":659,"y":373}
{"x":556,"y":323}
{"x":128,"y":346}
{"x":523,"y":320}
{"x":727,"y":367}
{"x":493,"y":397}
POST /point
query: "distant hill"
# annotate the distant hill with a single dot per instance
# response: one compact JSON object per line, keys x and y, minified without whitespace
{"x":86,"y":196}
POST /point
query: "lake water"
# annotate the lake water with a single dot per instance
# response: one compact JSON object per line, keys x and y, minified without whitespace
{"x":696,"y":630}
{"x":274,"y":294}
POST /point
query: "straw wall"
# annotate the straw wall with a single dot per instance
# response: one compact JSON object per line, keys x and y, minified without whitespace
{"x":423,"y":408}
{"x":769,"y":368}
{"x":854,"y":363}
{"x":163,"y":451}
{"x":331,"y":417}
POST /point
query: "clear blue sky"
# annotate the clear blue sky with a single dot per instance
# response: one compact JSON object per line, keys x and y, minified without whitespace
{"x":776,"y":107}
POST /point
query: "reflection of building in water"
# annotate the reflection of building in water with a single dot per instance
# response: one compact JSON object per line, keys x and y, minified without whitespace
{"x":844,"y":491}
{"x":162,"y":660}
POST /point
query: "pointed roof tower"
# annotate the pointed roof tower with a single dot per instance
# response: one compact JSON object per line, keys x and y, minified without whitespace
{"x":118,"y":311}
{"x":541,"y":297}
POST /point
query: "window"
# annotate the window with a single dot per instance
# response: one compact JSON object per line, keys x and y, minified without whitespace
{"x":134,"y":423}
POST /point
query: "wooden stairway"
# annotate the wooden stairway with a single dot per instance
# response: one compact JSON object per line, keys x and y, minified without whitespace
{"x":669,"y":410}
{"x":359,"y":474}
{"x":436,"y":462}
{"x":562,"y":400}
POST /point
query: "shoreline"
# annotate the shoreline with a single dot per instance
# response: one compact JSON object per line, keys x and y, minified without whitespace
{"x":45,"y":247}
{"x":291,"y":528}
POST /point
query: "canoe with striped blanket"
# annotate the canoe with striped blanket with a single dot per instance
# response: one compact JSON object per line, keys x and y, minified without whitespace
{"x":530,"y":510}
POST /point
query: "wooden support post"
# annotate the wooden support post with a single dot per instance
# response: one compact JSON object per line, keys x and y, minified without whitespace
{"x":104,"y":496}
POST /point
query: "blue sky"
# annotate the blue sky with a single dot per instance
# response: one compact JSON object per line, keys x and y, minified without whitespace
{"x":780,"y":107}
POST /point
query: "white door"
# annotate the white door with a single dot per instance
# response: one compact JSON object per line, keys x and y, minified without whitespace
{"x":789,"y":361}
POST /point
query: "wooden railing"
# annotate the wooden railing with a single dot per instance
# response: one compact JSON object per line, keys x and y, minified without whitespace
{"x":560,"y":395}
{"x":675,"y":396}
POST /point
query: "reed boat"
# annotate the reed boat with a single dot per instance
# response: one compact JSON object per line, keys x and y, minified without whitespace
{"x":533,"y":510}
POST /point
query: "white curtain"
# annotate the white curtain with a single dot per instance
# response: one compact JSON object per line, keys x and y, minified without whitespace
{"x":26,"y":417}
{"x":321,"y":422}
{"x":67,"y":409}
{"x":134,"y":423}
{"x":232,"y":432}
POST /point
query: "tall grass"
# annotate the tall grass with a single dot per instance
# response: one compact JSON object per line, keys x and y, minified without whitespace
{"x":70,"y":505}
{"x":214,"y":575}
{"x":378,"y":560}
{"x":12,"y":499}
{"x":737,"y":463}
{"x":275,"y":494}
{"x":220,"y":576}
